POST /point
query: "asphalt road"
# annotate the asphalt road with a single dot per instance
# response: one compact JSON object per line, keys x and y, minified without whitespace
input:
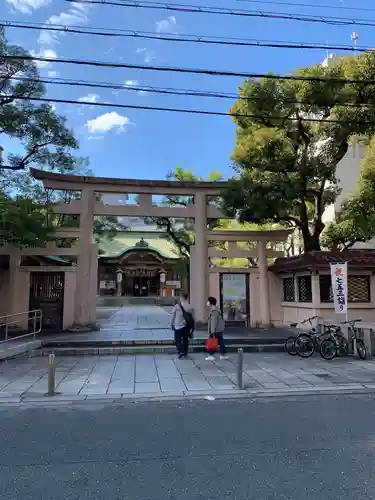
{"x":297,"y":448}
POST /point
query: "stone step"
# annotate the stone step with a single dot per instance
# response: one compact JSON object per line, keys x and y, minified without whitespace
{"x":145,"y":349}
{"x":198,"y":342}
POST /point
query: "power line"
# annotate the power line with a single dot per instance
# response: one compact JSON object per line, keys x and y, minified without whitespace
{"x":200,"y":9}
{"x":310,"y":5}
{"x":174,"y":69}
{"x":186,"y":38}
{"x":184,"y":110}
{"x":173,"y":91}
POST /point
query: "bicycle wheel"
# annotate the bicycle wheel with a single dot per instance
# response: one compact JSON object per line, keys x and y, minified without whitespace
{"x":328,"y":349}
{"x":305,"y":345}
{"x":361,"y":349}
{"x":290,"y":346}
{"x":343,"y":345}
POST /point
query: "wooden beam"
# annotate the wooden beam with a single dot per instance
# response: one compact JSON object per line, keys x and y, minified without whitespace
{"x":233,"y":235}
{"x":67,"y":232}
{"x":242,"y":254}
{"x":142,"y":210}
{"x":132,"y":186}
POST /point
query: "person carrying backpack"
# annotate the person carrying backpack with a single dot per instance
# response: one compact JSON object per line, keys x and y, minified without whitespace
{"x":183,"y":325}
{"x":216,"y":327}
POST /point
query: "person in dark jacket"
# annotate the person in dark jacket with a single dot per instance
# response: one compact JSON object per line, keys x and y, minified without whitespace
{"x":179,"y":326}
{"x":216,"y":326}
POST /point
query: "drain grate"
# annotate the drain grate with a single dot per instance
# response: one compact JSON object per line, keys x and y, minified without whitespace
{"x":322,"y":375}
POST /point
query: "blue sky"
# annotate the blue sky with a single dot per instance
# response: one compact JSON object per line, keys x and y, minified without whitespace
{"x":148,"y":144}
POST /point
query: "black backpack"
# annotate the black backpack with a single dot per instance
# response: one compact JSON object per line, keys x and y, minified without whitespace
{"x":189,"y":320}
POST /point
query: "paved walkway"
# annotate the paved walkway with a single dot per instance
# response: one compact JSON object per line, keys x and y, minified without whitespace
{"x":134,"y":323}
{"x":158,"y":375}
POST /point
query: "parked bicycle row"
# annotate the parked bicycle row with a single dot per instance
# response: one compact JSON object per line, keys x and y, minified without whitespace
{"x":330,"y":342}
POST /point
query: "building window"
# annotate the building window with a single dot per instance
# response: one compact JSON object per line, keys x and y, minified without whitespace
{"x":325,"y":286}
{"x":288,"y":285}
{"x":358,"y":288}
{"x":304,"y":289}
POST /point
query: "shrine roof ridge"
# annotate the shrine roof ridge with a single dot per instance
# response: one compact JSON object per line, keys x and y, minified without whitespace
{"x":83,"y":179}
{"x":356,"y":258}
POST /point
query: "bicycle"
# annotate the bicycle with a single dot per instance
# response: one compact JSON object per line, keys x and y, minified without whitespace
{"x":307,"y":343}
{"x":336,"y":346}
{"x":290,"y":343}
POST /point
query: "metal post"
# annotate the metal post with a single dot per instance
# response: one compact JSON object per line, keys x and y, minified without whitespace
{"x":6,"y":328}
{"x":51,"y":375}
{"x":368,"y":342}
{"x":240,"y":369}
{"x":34,"y":324}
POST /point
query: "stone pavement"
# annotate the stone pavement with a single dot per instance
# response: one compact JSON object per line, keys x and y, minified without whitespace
{"x":163,"y":375}
{"x":135,"y":323}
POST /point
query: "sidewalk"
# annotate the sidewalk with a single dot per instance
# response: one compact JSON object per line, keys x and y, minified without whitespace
{"x":145,"y":376}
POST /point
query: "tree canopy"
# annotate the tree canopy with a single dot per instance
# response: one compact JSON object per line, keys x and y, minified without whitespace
{"x":355,"y":220}
{"x":181,"y":232}
{"x":286,"y":165}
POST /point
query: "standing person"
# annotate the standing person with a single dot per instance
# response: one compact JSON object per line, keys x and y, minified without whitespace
{"x":183,"y":324}
{"x":216,"y":326}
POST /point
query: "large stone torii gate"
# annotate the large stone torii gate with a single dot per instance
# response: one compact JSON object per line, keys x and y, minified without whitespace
{"x":90,"y":204}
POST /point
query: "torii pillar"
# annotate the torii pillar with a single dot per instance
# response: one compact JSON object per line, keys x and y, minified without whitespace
{"x":199,"y":261}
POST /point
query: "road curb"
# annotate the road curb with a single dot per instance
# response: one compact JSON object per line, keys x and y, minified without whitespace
{"x":72,"y":400}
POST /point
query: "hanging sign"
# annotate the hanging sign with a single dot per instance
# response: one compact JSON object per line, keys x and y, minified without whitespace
{"x":234,"y":287}
{"x":339,"y":280}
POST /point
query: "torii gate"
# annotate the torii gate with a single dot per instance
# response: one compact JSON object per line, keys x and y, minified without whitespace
{"x":90,"y":205}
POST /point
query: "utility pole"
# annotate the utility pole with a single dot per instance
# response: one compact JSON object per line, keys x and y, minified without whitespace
{"x":354,"y":38}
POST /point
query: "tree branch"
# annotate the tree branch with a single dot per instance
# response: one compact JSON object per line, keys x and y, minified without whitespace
{"x":24,"y":162}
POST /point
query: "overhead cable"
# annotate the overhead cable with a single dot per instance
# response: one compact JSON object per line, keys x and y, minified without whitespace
{"x":173,"y":91}
{"x":186,"y":38}
{"x":200,"y":9}
{"x":183,"y":110}
{"x":174,"y":69}
{"x":310,"y":5}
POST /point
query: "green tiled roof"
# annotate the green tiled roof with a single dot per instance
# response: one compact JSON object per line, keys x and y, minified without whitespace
{"x":127,"y":240}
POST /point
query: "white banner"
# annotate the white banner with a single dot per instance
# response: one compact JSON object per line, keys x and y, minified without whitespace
{"x":339,"y":280}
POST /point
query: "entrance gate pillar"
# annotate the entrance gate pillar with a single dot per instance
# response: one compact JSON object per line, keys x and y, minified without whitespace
{"x":84,"y":285}
{"x":93,"y":283}
{"x":199,"y":260}
{"x":264,"y":285}
{"x":14,"y":282}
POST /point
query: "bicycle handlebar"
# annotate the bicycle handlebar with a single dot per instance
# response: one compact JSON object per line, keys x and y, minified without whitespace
{"x":307,"y":320}
{"x":350,"y":322}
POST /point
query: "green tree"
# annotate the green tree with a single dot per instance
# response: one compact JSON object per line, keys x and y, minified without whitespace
{"x":41,"y":139}
{"x":355,"y":221}
{"x":23,"y":222}
{"x":181,"y":232}
{"x":285,"y":165}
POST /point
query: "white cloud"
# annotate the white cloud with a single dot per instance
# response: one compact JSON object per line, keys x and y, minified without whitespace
{"x":95,"y":137}
{"x":130,"y":83}
{"x":148,"y":55}
{"x":52,"y":74}
{"x":27,"y":6}
{"x":47,"y":53}
{"x":166,"y":24}
{"x":89,"y":98}
{"x":107,"y":122}
{"x":76,"y":15}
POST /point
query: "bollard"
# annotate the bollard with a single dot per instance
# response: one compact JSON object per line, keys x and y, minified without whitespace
{"x":368,"y":342}
{"x":240,"y":369}
{"x":51,"y":375}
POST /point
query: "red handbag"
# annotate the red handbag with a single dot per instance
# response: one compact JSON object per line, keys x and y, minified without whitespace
{"x":212,"y":344}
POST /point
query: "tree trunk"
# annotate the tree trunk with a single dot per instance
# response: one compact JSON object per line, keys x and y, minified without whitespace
{"x":311,"y":242}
